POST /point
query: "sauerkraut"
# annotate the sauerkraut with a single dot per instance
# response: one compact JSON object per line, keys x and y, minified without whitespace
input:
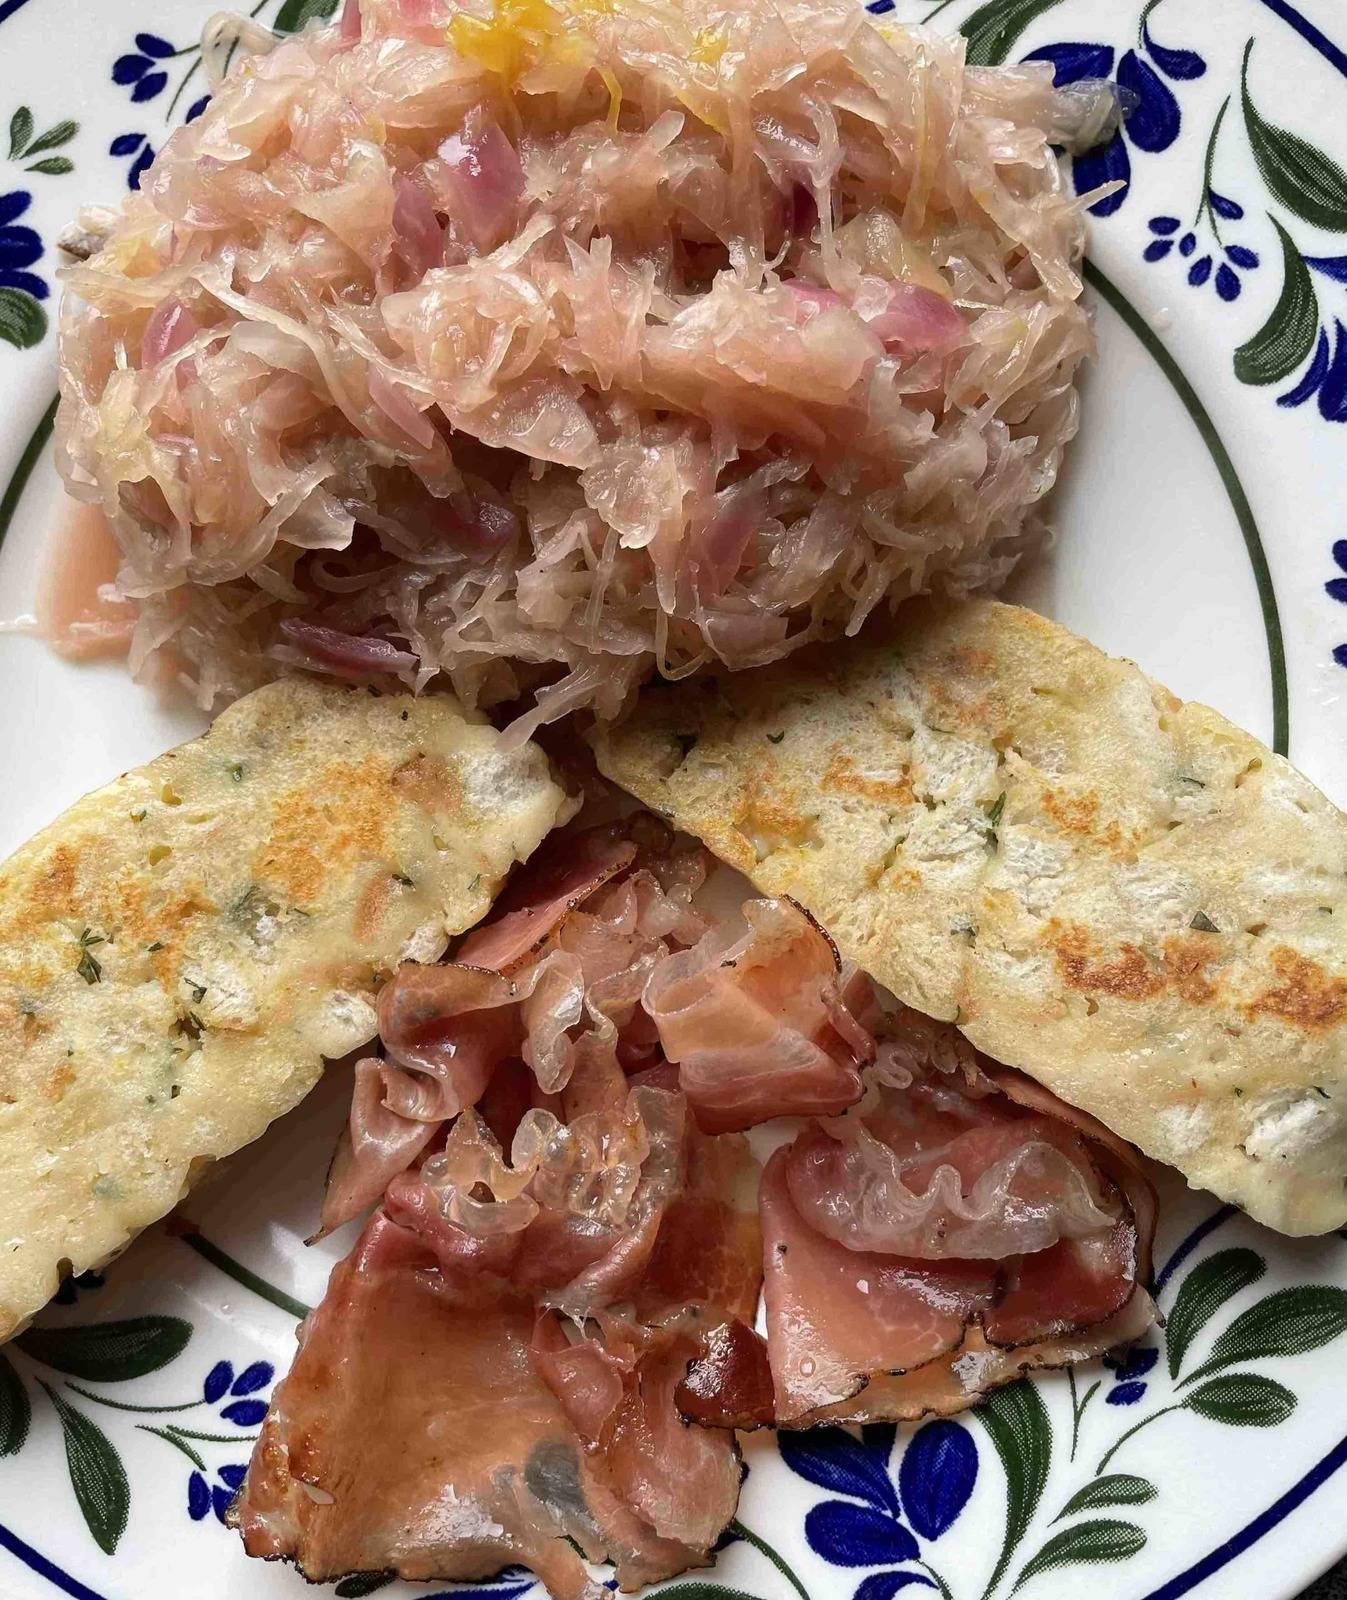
{"x":543,"y":343}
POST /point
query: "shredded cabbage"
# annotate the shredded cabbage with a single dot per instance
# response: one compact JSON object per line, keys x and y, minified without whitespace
{"x":540,"y":343}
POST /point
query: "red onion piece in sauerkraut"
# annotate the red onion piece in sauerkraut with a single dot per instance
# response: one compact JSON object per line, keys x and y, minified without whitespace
{"x":545,"y":343}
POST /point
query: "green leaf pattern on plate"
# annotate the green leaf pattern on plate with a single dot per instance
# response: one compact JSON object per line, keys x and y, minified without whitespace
{"x":1287,"y":336}
{"x":1017,"y":1421}
{"x":20,"y":131}
{"x":1203,"y":1292}
{"x":1115,"y":1489}
{"x":1303,"y":177}
{"x":1286,"y":1323}
{"x":705,"y":1591}
{"x":108,"y":1352}
{"x":993,"y":29}
{"x":23,"y":322}
{"x":96,"y":1474}
{"x":1088,"y":1542}
{"x":361,"y":1584}
{"x":58,"y":134}
{"x":296,"y":14}
{"x":1104,"y":1540}
{"x":1243,"y":1400}
{"x":16,"y":1410}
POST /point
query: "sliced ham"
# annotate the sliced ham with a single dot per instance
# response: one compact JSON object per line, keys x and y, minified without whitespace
{"x":375,"y":1146}
{"x":459,"y":1252}
{"x":748,"y":1017}
{"x":837,"y":1317}
{"x":709,"y":1248}
{"x":1113,"y":1156}
{"x":861,"y":1336}
{"x":729,"y":1383}
{"x":672,"y":1487}
{"x":677,"y":1486}
{"x":413,"y":1434}
{"x":499,"y":1432}
{"x":563,"y":874}
{"x":446,"y":1028}
{"x":625,"y":1204}
{"x":681,"y":1482}
{"x":554,"y":1137}
{"x":1090,"y":1272}
{"x":935,"y":1172}
{"x":554,"y":965}
{"x":915,"y":1258}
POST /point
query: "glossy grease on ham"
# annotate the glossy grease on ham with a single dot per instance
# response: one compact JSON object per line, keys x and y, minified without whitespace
{"x":441,"y":1307}
{"x":561,"y":875}
{"x":413,"y":1434}
{"x":958,"y":1228}
{"x":558,"y":969}
{"x":566,"y":1197}
{"x":375,"y":1146}
{"x":446,"y":1029}
{"x":916,"y":1257}
{"x":864,"y":1337}
{"x":936,"y":1172}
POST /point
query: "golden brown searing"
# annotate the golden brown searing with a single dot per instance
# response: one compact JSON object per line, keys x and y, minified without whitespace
{"x":1121,"y":894}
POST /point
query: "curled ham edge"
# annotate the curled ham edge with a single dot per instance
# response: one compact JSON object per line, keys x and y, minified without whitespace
{"x":757,"y":1023}
{"x":378,"y":1143}
{"x":588,"y":1445}
{"x":727,"y":1381}
{"x":732,"y":1383}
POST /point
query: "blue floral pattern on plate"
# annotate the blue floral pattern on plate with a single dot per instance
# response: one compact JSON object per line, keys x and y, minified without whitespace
{"x":23,"y":322}
{"x":888,"y":1498}
{"x":141,"y":71}
{"x":1152,"y":117}
{"x":1129,"y":1369}
{"x":878,"y":1524}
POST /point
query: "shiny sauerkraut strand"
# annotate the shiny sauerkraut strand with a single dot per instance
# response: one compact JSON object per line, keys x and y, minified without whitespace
{"x":544,"y":343}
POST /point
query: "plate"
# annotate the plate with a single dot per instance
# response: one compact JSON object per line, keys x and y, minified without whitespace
{"x":1201,"y":531}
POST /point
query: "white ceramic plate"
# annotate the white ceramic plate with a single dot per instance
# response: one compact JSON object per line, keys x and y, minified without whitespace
{"x":1203,"y":531}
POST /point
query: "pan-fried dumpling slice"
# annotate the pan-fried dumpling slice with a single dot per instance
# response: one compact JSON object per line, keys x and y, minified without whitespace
{"x":180,"y":950}
{"x":1120,"y":894}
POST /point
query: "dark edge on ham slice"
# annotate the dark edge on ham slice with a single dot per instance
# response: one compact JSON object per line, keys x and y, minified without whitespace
{"x":732,"y":1380}
{"x":610,"y":1395}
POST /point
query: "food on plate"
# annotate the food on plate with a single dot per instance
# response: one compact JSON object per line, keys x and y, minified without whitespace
{"x":551,"y":1311}
{"x":181,"y":949}
{"x":542,"y":343}
{"x":959,"y":1235}
{"x":1118,"y":893}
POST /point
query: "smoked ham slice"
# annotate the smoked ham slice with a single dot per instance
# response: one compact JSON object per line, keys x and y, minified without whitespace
{"x":573,"y":1237}
{"x":915,"y":1256}
{"x":413,"y":1434}
{"x":440,"y":1321}
{"x":752,"y":1019}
